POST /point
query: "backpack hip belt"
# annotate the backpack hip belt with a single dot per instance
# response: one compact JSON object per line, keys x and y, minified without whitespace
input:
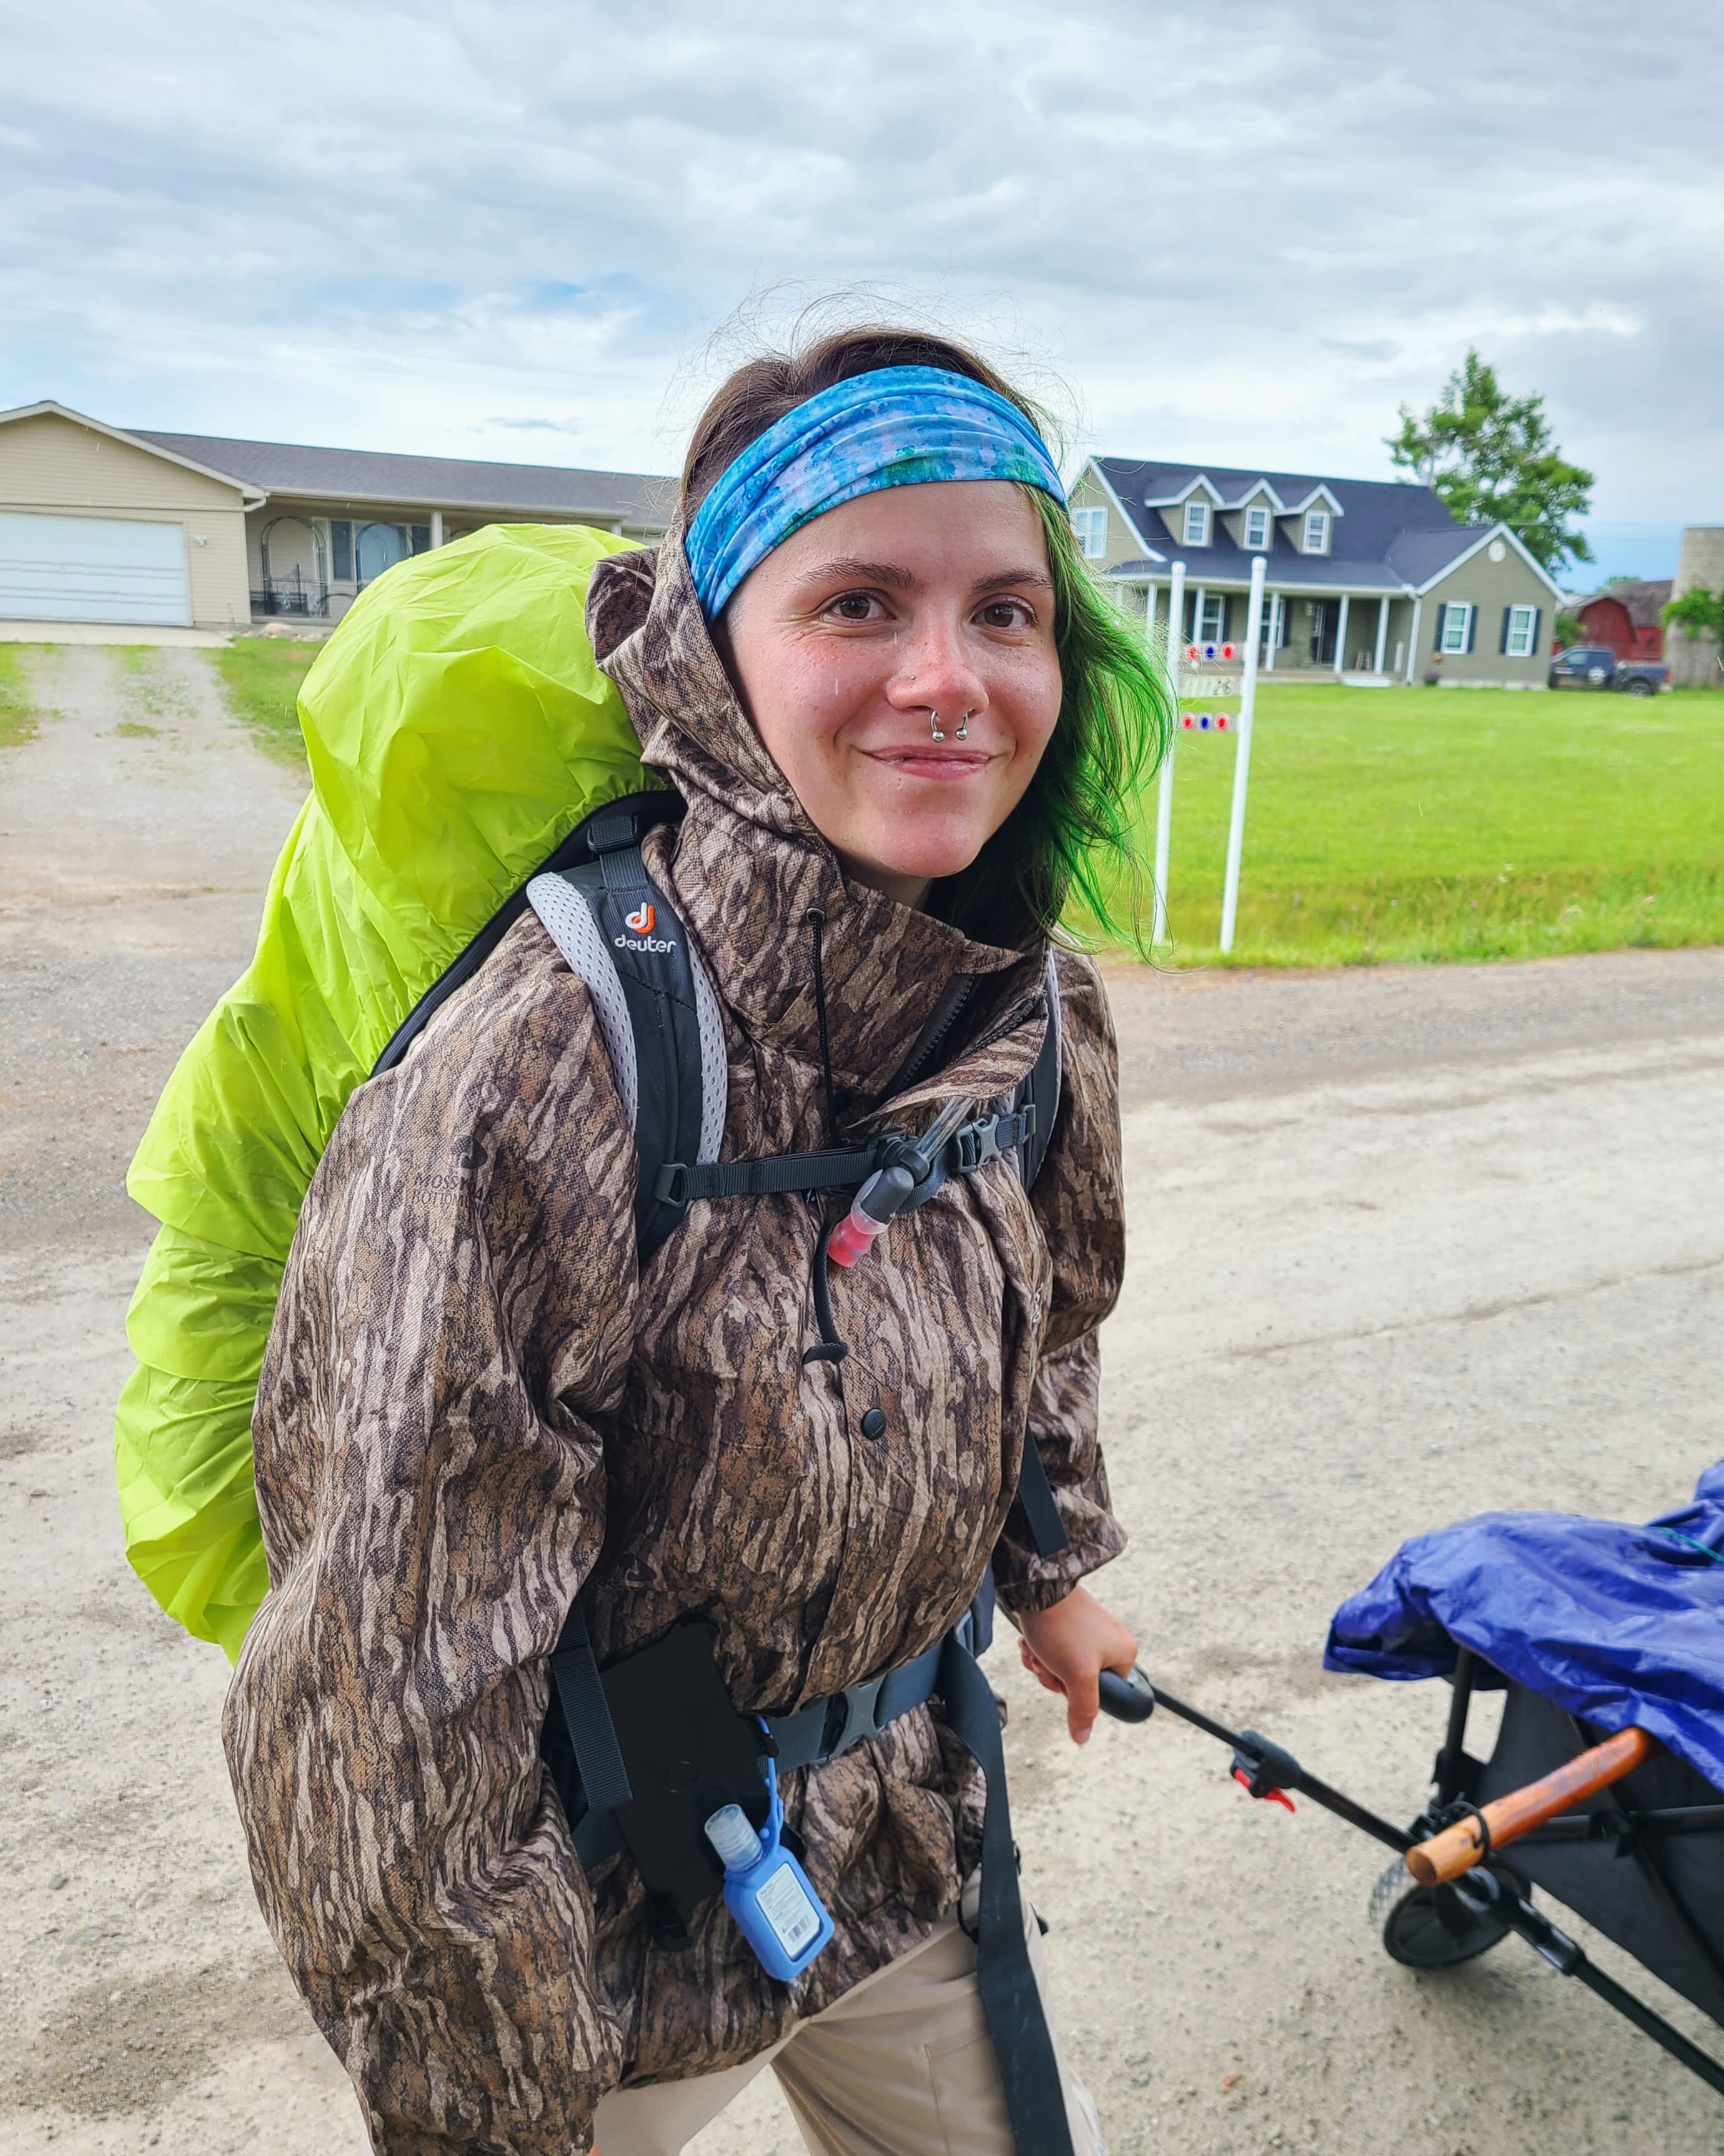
{"x":684,"y":1750}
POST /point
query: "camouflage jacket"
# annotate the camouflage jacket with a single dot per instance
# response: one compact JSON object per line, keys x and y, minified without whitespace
{"x":475,"y":1406}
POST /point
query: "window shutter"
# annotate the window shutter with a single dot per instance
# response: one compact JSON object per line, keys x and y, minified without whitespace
{"x":1508,"y":615}
{"x":1442,"y":617}
{"x":1537,"y":617}
{"x":341,"y":547}
{"x":1472,"y":625}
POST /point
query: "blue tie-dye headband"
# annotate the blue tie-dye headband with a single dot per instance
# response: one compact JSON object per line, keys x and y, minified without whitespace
{"x":899,"y":426}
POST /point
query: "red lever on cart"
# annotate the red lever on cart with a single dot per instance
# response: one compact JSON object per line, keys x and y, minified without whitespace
{"x":1268,"y":1796}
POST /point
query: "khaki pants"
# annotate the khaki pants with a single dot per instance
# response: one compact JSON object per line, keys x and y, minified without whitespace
{"x":901,"y":2065}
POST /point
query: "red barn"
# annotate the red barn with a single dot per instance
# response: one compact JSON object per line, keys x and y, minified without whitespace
{"x":1624,"y":617}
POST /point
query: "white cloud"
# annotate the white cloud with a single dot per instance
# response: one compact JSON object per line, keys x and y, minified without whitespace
{"x":506,"y":228}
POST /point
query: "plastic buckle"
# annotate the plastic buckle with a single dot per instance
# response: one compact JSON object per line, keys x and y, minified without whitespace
{"x":670,"y":1184}
{"x":977,"y":1143}
{"x":613,"y":835}
{"x":861,"y":1706}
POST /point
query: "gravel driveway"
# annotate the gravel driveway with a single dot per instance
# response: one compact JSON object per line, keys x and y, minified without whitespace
{"x":1406,"y":1244}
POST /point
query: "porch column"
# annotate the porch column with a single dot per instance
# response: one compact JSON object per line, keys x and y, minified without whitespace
{"x":1412,"y":638}
{"x":437,"y":527}
{"x":1196,"y":614}
{"x":1382,"y":631}
{"x":1341,"y":635}
{"x":1149,"y":615}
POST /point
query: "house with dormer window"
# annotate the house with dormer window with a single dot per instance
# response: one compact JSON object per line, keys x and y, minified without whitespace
{"x":1370,"y":580}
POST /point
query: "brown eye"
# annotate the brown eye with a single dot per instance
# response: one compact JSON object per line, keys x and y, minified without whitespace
{"x":854,"y":606}
{"x":1005,"y":613}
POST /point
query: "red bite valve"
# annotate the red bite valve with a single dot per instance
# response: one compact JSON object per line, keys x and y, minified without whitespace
{"x":879,"y":1200}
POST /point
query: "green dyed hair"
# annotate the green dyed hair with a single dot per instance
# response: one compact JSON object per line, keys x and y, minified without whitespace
{"x":1069,"y":856}
{"x":1070,"y":852}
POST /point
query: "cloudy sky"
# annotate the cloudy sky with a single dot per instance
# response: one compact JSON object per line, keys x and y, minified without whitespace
{"x":1234,"y":231}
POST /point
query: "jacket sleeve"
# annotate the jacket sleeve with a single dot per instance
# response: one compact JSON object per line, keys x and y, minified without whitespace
{"x":1079,"y":1201}
{"x":458,"y":1304}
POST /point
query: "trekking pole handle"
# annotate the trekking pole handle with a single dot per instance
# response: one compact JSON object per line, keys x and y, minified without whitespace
{"x":1459,"y":1847}
{"x":1127,"y":1698}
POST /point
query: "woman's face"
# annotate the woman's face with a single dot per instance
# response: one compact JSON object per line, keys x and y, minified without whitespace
{"x":912,"y":600}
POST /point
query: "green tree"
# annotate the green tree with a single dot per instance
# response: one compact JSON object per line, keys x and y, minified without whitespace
{"x":1491,"y":459}
{"x":1698,"y":612}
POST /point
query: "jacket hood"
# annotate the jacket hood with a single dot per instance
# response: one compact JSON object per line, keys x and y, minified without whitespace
{"x":748,"y":867}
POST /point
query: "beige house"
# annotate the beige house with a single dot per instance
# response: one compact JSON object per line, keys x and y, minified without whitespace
{"x":165,"y":533}
{"x":1368,"y":581}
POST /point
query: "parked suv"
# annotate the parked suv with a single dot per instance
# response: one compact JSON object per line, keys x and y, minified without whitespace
{"x":1592,"y":666}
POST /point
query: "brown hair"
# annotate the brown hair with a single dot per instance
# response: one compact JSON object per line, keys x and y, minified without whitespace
{"x":760,"y":392}
{"x":1075,"y":837}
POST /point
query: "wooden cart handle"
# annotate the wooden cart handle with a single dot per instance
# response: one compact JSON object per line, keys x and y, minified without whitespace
{"x":1459,"y":1847}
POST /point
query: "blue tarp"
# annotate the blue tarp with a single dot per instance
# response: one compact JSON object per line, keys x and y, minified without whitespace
{"x":1622,"y":1625}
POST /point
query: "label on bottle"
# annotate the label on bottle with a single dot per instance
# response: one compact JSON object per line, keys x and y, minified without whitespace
{"x":794,"y":1917}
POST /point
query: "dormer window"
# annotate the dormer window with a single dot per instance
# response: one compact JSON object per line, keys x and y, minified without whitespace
{"x":1316,"y":530}
{"x":1196,"y":531}
{"x":1090,"y":527}
{"x":1256,"y":528}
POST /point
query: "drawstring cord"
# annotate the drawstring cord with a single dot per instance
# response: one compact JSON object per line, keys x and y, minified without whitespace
{"x":816,"y":920}
{"x":831,"y":1346}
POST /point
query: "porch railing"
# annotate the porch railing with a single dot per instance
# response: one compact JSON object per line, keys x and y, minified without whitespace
{"x":293,"y":594}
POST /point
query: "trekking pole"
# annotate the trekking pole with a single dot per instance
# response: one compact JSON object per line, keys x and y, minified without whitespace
{"x":1487,"y":1828}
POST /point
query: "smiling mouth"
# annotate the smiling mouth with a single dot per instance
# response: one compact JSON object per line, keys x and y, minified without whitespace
{"x":921,"y":761}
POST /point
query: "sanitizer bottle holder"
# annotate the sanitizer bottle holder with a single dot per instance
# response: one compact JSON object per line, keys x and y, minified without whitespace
{"x":767,"y":1890}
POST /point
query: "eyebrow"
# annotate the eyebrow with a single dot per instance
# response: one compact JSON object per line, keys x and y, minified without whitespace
{"x":899,"y":579}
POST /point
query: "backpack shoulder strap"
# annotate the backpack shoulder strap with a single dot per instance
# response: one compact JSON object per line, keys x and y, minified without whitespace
{"x":1035,"y":1493}
{"x":1042,"y":1086}
{"x":657,"y":1013}
{"x":656,"y":1010}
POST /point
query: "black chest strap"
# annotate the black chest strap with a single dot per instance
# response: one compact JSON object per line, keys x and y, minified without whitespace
{"x":970,"y":1147}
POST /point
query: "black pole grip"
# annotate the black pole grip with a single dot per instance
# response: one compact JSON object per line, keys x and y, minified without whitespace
{"x":1127,"y":1699}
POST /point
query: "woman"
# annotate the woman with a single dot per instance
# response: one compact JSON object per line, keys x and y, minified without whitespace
{"x":905,"y":728}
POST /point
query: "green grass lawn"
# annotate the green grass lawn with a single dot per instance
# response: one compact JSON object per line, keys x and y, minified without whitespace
{"x":19,"y":719}
{"x":1424,"y":824}
{"x":1383,"y":824}
{"x":261,"y":677}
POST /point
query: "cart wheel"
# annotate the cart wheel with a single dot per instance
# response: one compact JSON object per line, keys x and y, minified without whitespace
{"x":1429,"y":1927}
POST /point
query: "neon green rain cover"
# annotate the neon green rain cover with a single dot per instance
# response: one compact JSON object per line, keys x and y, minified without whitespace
{"x":458,"y":728}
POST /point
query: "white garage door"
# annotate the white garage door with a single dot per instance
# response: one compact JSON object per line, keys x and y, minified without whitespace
{"x":91,"y":568}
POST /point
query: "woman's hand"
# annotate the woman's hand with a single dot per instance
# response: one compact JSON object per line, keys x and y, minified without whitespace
{"x":1068,"y":1647}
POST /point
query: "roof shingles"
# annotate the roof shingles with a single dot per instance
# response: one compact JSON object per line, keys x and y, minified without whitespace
{"x":1388,"y":536}
{"x":637,"y":500}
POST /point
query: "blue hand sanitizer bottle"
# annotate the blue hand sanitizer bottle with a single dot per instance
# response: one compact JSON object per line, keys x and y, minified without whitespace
{"x":767,"y":1890}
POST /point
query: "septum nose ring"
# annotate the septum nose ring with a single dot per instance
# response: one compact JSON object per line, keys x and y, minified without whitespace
{"x":936,"y":731}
